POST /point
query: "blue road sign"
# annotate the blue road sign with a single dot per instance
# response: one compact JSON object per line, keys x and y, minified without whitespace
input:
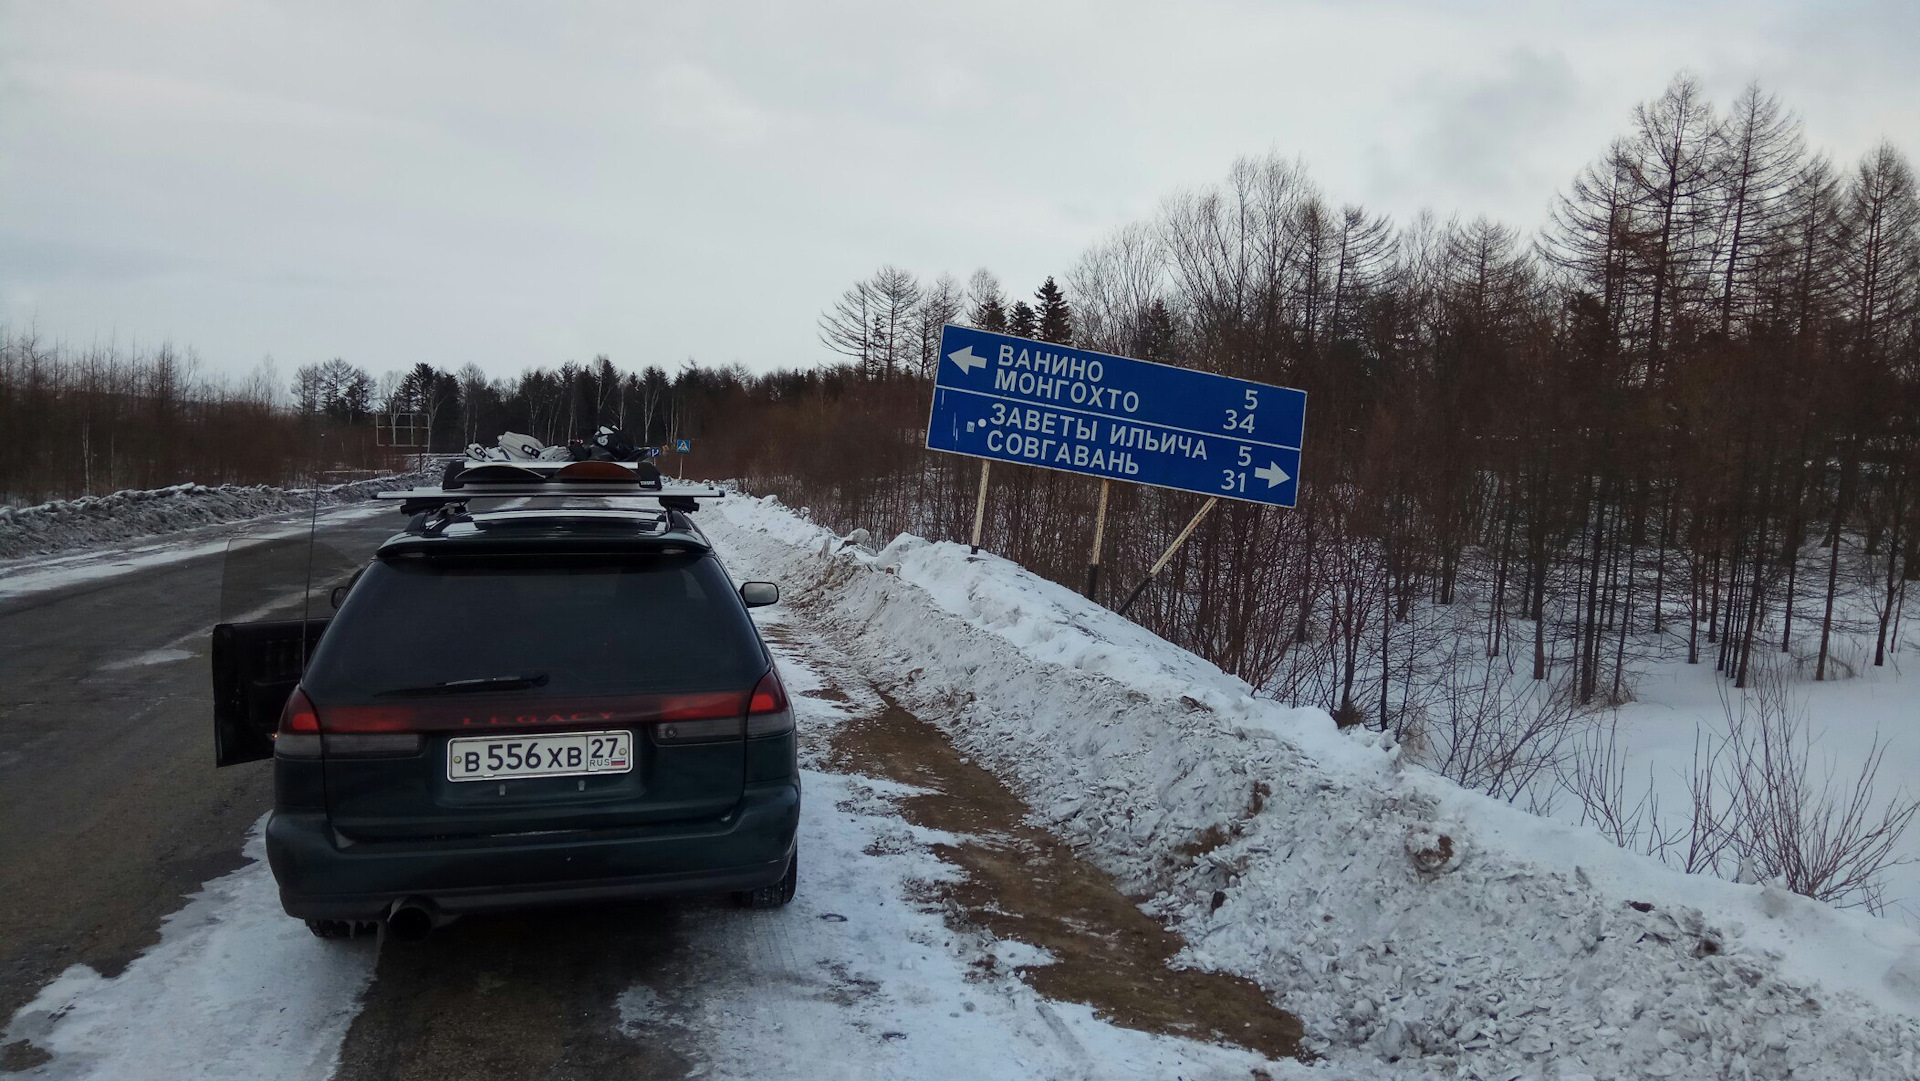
{"x":1010,"y":399}
{"x":683,"y":446}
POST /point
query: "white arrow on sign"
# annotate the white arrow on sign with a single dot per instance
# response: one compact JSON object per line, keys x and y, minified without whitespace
{"x":967,"y":359}
{"x":1272,"y":474}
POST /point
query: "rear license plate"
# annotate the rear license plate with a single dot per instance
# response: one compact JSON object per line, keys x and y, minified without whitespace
{"x":492,"y":758}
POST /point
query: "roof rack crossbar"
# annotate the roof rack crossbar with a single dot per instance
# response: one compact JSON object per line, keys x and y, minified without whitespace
{"x":413,"y":500}
{"x":467,"y":480}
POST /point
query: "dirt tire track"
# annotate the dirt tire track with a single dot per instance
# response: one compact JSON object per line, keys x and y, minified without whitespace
{"x":1024,"y":884}
{"x":522,"y":996}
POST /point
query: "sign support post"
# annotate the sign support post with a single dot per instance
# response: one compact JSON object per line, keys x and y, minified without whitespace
{"x":1099,"y":534}
{"x":1167,"y":556}
{"x":980,"y":505}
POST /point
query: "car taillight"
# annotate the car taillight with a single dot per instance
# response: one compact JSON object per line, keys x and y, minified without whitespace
{"x":700,"y":707}
{"x":372,"y":719}
{"x":299,"y":734}
{"x":368,"y":733}
{"x":399,"y":729}
{"x":768,"y":711}
{"x":696,"y":718}
{"x":298,"y":715}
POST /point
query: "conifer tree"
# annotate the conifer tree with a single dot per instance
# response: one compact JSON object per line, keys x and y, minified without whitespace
{"x":989,"y":314}
{"x":1023,"y":322}
{"x":1156,"y":333}
{"x":1054,"y":317}
{"x":987,"y":311}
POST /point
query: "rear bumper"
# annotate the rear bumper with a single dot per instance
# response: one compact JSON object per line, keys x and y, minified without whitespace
{"x":321,"y":877}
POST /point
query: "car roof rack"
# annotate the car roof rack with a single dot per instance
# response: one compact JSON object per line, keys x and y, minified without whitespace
{"x":466,"y":480}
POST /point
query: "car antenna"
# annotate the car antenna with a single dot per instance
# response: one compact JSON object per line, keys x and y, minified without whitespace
{"x":306,"y":593}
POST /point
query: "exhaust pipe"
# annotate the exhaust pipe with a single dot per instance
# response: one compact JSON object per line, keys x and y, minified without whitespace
{"x":412,"y":919}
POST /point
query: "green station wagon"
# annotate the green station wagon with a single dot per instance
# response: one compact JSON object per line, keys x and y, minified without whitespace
{"x":518,"y":707}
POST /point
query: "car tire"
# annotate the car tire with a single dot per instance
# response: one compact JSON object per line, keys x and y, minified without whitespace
{"x":777,"y":894}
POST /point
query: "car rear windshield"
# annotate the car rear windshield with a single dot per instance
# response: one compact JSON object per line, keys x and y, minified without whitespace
{"x":570,"y":624}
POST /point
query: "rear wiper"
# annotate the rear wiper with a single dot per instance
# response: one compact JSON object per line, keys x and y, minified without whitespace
{"x":470,"y":686}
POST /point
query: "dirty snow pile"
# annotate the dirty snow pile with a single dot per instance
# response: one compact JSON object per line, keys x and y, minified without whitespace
{"x":849,"y":962}
{"x":68,"y":524}
{"x":1402,"y":918}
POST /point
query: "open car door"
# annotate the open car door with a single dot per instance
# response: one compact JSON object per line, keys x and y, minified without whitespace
{"x":274,"y":604}
{"x":255,"y":668}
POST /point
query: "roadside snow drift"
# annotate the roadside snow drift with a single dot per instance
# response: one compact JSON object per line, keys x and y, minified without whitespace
{"x":235,"y":990}
{"x":853,"y":981}
{"x":1400,"y":917}
{"x":68,"y":524}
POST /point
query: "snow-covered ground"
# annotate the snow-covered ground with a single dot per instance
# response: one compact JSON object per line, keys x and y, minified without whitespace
{"x":1399,"y":915}
{"x":67,"y":542}
{"x":1419,"y":930}
{"x":904,"y":974}
{"x":67,"y":525}
{"x":33,"y":575}
{"x":1846,"y":718}
{"x":860,"y":978}
{"x":235,"y":990}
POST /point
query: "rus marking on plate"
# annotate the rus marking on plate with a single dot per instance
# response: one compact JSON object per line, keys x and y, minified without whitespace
{"x":1034,"y":403}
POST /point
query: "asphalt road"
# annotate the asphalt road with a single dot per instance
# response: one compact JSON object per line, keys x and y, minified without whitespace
{"x":111,"y":810}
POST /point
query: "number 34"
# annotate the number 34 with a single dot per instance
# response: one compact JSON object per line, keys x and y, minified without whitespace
{"x":1237,"y":420}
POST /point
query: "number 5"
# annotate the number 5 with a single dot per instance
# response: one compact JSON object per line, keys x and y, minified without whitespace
{"x":1246,"y":455}
{"x":1253,"y":398}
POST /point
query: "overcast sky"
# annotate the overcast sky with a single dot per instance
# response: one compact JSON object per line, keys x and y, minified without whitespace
{"x":506,"y":184}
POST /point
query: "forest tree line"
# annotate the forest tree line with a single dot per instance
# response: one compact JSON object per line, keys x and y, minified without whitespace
{"x":93,"y":420}
{"x":1684,"y":415}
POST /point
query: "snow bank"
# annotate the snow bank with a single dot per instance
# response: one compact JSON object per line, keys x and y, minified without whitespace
{"x":67,"y":524}
{"x":1401,"y":917}
{"x":851,"y":983}
{"x":235,"y":990}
